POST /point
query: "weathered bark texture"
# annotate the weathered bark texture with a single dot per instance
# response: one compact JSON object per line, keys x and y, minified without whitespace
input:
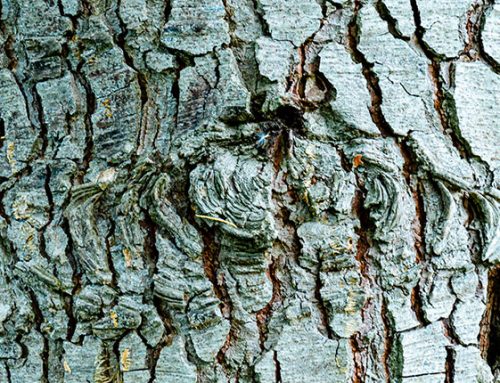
{"x":249,"y":191}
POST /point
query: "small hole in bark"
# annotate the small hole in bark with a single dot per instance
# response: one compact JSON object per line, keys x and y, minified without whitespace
{"x":291,"y":118}
{"x":490,"y":325}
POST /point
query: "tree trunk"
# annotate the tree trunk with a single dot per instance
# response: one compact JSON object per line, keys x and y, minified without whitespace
{"x":249,"y":191}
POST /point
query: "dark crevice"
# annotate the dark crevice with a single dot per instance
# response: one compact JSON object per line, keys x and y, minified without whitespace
{"x":7,"y":371}
{"x":87,"y":8}
{"x":150,"y":249}
{"x":419,"y":36}
{"x":417,"y":305}
{"x":109,"y":255}
{"x":308,"y":86}
{"x":445,"y":107}
{"x":323,"y":309}
{"x":230,"y":21}
{"x":489,"y":338}
{"x":89,"y":134}
{"x":364,"y":229}
{"x":142,"y":78}
{"x":76,"y":279}
{"x":277,"y":367}
{"x":476,"y":19}
{"x":153,"y":353}
{"x":264,"y":315}
{"x":10,"y":53}
{"x":450,"y":365}
{"x":211,"y":266}
{"x":167,"y":10}
{"x":449,"y":331}
{"x":389,"y":347}
{"x":444,"y":104}
{"x":474,"y":229}
{"x":259,"y":12}
{"x":356,"y":343}
{"x":370,"y":76}
{"x":410,"y":169}
{"x":392,"y":23}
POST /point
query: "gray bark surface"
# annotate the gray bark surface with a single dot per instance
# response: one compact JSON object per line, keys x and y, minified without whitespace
{"x":249,"y":191}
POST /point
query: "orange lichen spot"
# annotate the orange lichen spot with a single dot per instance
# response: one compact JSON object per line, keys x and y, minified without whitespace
{"x":11,"y":148}
{"x":357,"y":161}
{"x":125,"y":359}
{"x":114,"y":318}
{"x":128,"y":257}
{"x":107,"y":106}
{"x":66,"y":367}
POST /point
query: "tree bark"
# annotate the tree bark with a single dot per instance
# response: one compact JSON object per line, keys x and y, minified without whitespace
{"x":249,"y":191}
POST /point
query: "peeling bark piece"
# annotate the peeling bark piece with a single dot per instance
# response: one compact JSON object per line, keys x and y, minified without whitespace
{"x":465,"y":284}
{"x":152,"y":328}
{"x":196,"y":28}
{"x":344,"y":298}
{"x":125,"y":315}
{"x":316,"y":171}
{"x":160,"y":61}
{"x":444,"y":25}
{"x":252,"y":288}
{"x":31,"y":369}
{"x":290,"y":22}
{"x":208,"y":329}
{"x":407,"y":99}
{"x":177,"y":277}
{"x":424,"y":351}
{"x":352,"y":100}
{"x":490,"y":34}
{"x":234,"y":97}
{"x":248,"y":191}
{"x":480,"y":129}
{"x":389,"y":203}
{"x":247,"y":26}
{"x":274,"y":58}
{"x":89,"y":302}
{"x":63,"y":104}
{"x":71,"y":7}
{"x":437,"y":299}
{"x":400,"y":309}
{"x":466,"y":319}
{"x":196,"y":102}
{"x":430,"y":148}
{"x":19,"y":134}
{"x":133,"y":360}
{"x":305,"y":355}
{"x":42,"y":29}
{"x":470,"y":367}
{"x":173,"y":364}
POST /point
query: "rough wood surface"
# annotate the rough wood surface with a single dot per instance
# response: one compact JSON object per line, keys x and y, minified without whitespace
{"x":249,"y":191}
